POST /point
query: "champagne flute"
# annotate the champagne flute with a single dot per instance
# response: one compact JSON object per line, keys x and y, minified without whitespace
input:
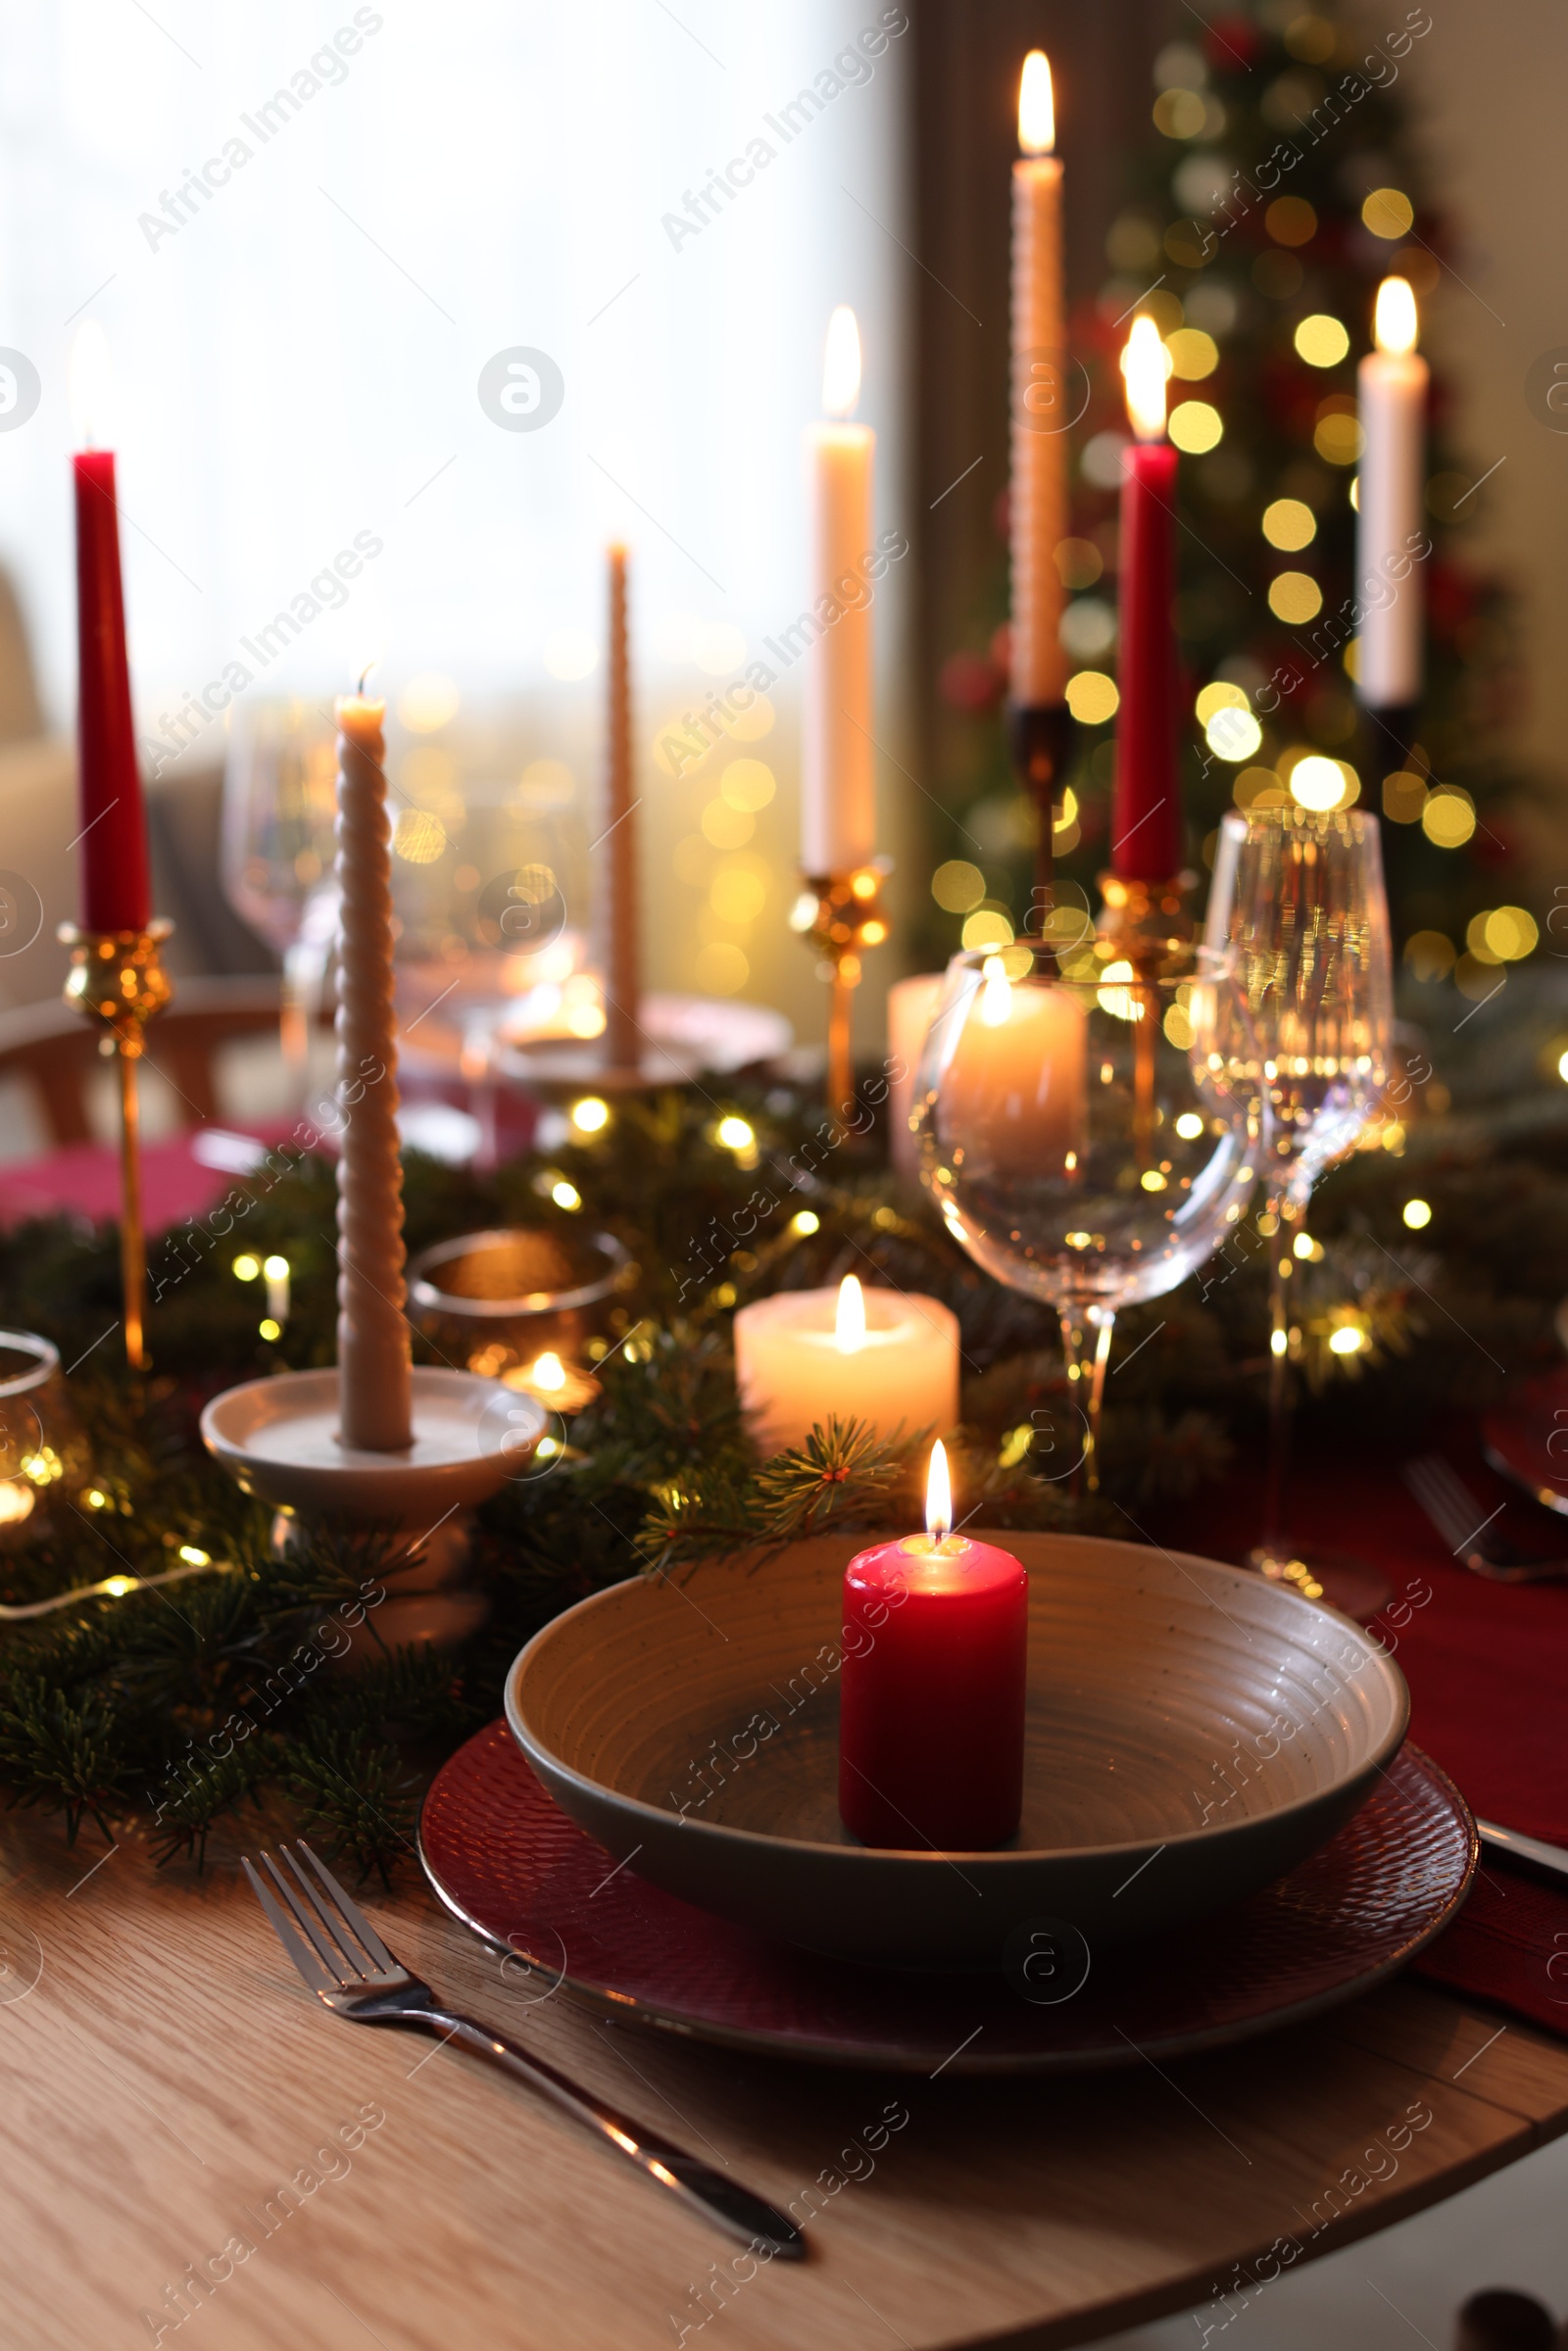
{"x":1079,"y":1148}
{"x":1298,"y":897}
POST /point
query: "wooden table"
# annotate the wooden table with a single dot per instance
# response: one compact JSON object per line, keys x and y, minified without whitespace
{"x":177,"y":2104}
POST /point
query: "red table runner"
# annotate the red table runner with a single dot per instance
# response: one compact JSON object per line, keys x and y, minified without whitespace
{"x":1488,"y":1669}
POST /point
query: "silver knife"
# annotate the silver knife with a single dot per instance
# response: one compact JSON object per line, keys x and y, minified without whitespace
{"x":1525,"y":1848}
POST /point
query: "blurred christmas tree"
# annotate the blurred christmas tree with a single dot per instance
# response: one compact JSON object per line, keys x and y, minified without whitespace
{"x":1278,"y":191}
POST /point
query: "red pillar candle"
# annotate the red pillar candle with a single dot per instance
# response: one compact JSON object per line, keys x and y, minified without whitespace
{"x":116,"y":895}
{"x":1146,"y":825}
{"x":931,"y":1699}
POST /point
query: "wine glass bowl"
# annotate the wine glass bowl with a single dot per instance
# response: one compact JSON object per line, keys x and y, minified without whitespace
{"x":1298,"y":899}
{"x":280,"y":805}
{"x":1083,"y":1142}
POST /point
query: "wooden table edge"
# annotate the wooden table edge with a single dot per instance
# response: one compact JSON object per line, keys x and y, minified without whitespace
{"x":1194,"y":2290}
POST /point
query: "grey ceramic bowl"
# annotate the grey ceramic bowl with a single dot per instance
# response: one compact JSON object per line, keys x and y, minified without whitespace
{"x":1194,"y":1731}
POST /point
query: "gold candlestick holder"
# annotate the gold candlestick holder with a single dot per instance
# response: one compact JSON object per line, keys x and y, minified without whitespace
{"x":841,"y":915}
{"x":117,"y":980}
{"x":1151,"y":926}
{"x":1149,"y":923}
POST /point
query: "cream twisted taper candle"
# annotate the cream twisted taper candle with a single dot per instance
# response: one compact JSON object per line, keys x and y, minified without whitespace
{"x":374,"y":1401}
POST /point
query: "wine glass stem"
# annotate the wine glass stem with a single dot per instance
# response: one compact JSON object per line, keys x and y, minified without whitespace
{"x":1085,"y":1334}
{"x":1287,"y":1213}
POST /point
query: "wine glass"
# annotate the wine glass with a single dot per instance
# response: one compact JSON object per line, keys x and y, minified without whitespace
{"x":1078,"y":1145}
{"x":279,"y":803}
{"x":1307,"y":1010}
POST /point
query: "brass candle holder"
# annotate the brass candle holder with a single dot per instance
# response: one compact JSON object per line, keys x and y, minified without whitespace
{"x":1040,"y":738}
{"x":1151,"y":926}
{"x":117,"y":980}
{"x":841,"y":915}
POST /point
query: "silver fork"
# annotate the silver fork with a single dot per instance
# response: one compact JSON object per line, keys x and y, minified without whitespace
{"x":1462,"y":1523}
{"x":346,"y":1963}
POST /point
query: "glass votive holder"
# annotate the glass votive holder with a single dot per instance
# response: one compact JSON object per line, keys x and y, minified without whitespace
{"x":526,"y":1304}
{"x":43,"y":1453}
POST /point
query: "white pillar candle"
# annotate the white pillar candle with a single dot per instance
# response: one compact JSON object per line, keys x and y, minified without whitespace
{"x":910,"y":1005}
{"x":838,"y":766}
{"x":1013,"y":1075}
{"x":876,"y":1355}
{"x":1041,"y":390}
{"x":374,"y":1378}
{"x":1392,"y":385}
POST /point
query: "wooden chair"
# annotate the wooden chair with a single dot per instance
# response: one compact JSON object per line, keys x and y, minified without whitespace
{"x":57,"y":1050}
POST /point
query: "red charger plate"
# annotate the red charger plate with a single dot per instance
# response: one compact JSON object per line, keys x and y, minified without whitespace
{"x":507,"y":1862}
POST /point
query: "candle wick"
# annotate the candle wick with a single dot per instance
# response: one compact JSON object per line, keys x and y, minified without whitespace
{"x":363,"y":675}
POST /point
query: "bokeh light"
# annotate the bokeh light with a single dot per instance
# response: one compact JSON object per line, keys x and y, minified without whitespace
{"x":1291,"y":220}
{"x":1233,"y":734}
{"x":1294,"y":596}
{"x":989,"y":928}
{"x":1448,"y":817}
{"x":1195,"y":426}
{"x":958,"y":886}
{"x":1289,"y":523}
{"x":1388,"y":214}
{"x":1092,"y":697}
{"x":1193,"y":353}
{"x":1322,"y":341}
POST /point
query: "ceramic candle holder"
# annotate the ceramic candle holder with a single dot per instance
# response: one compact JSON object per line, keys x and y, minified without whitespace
{"x":278,"y":1441}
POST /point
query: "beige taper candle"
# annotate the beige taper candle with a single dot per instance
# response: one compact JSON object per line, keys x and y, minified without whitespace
{"x":1040,"y":399}
{"x":623,"y":962}
{"x":374,"y":1377}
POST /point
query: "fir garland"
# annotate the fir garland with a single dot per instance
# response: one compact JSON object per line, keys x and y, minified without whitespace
{"x":175,"y":1709}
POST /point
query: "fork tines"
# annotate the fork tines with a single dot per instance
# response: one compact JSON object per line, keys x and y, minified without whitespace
{"x":318,"y":1925}
{"x":1445,"y":1497}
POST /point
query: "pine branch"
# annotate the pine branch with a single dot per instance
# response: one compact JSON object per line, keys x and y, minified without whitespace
{"x":843,"y":1477}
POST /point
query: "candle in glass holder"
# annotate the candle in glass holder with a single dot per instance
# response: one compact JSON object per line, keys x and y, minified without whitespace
{"x":932,"y":1688}
{"x":879,"y":1355}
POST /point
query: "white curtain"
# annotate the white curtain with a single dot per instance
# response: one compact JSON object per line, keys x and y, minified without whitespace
{"x":300,"y":292}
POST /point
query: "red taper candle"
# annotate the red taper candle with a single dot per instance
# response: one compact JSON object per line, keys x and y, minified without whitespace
{"x":1145,"y":823}
{"x":116,"y":894}
{"x":931,"y":1701}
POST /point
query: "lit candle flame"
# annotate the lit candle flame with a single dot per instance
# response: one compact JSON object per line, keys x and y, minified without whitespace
{"x":1394,"y":320}
{"x":1145,"y":365}
{"x":90,"y":383}
{"x":841,"y":365}
{"x":996,"y":996}
{"x":549,"y":1373}
{"x":848,"y":1324}
{"x":938,"y":1495}
{"x":1037,"y":105}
